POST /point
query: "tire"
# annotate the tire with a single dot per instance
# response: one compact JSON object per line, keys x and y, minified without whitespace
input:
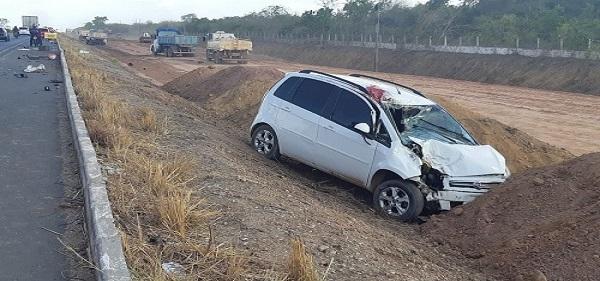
{"x":265,"y":142}
{"x":400,"y":200}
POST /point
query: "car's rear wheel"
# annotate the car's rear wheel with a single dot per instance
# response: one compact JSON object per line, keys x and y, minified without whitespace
{"x":399,"y":200}
{"x":264,"y":141}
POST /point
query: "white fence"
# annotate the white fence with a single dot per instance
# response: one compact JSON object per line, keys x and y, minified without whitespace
{"x":327,"y":40}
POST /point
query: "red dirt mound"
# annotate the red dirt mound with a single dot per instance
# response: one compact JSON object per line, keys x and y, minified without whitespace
{"x":543,"y":220}
{"x":233,"y":93}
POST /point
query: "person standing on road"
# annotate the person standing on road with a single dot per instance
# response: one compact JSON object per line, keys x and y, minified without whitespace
{"x":33,"y":36}
{"x":15,"y":32}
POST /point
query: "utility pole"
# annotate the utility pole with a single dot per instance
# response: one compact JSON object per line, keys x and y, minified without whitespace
{"x":377,"y":37}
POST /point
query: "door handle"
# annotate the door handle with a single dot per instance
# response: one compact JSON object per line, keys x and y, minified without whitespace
{"x":329,"y":128}
{"x":286,"y":108}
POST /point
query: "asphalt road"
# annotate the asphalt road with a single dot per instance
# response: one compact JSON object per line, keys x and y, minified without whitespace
{"x":32,"y":146}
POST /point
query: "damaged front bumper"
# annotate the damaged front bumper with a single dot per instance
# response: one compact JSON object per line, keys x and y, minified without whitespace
{"x":459,"y":190}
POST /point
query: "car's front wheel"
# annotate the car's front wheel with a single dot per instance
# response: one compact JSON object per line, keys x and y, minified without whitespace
{"x":264,"y":141}
{"x":399,"y":200}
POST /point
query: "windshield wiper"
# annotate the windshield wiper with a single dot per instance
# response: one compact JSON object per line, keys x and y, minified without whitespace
{"x":439,"y":133}
{"x":463,"y":139}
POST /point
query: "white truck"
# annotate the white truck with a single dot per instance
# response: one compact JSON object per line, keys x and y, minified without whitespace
{"x":222,"y":47}
{"x":96,"y":38}
{"x":29,"y":21}
{"x":83,"y":34}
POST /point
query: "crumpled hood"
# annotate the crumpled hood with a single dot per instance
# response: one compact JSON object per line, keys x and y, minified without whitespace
{"x":459,"y":160}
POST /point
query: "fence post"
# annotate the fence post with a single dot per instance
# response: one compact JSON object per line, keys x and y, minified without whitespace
{"x":404,"y":39}
{"x":362,"y":38}
{"x":517,"y":42}
{"x":445,"y":40}
{"x":477,"y":41}
{"x":538,"y":43}
{"x":562,"y":43}
{"x":417,"y":40}
{"x":393,"y":41}
{"x":460,"y":41}
{"x":589,"y":44}
{"x":430,"y":41}
{"x":370,"y":39}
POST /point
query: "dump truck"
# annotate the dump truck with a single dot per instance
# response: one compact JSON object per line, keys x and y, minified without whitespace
{"x":222,"y":47}
{"x":146,"y":38}
{"x":29,"y":21}
{"x":171,"y":42}
{"x":97,"y":38}
{"x":83,"y":34}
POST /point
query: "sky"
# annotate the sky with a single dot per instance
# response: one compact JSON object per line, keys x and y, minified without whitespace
{"x":63,"y":14}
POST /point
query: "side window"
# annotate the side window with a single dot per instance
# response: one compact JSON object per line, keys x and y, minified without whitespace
{"x":351,"y":110}
{"x":286,"y":90}
{"x":313,"y":95}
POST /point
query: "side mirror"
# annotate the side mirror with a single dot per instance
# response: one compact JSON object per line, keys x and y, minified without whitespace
{"x":363,"y":128}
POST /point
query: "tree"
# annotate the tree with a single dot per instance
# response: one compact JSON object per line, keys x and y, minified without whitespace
{"x":99,"y":22}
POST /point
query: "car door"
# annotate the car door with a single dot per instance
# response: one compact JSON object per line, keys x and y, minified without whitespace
{"x":342,"y":149}
{"x":298,"y":119}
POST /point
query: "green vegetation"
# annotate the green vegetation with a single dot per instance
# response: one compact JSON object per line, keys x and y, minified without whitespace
{"x":496,"y":22}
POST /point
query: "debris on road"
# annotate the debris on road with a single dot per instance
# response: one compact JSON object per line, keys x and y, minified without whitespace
{"x":84,"y":52}
{"x":21,"y":75}
{"x":39,"y":68}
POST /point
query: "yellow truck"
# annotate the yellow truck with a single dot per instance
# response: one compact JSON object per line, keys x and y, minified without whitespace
{"x":223,"y":47}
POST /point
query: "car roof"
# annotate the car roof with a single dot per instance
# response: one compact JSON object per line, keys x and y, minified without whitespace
{"x":392,"y":94}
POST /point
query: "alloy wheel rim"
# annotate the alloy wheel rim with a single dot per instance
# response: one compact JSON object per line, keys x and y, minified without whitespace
{"x":394,"y":201}
{"x":264,"y":142}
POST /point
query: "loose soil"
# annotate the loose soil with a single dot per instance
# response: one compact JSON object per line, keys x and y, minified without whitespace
{"x":565,"y":120}
{"x":545,"y":219}
{"x":233,"y":93}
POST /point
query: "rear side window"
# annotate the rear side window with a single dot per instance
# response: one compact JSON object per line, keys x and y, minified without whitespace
{"x":286,"y":90}
{"x":351,"y":110}
{"x":313,"y":95}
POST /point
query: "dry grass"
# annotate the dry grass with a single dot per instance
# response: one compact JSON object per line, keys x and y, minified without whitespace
{"x":149,"y":122}
{"x":160,"y":214}
{"x":301,"y":266}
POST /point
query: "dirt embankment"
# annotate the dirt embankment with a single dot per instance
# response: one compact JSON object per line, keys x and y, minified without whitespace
{"x":545,"y":219}
{"x":571,"y":75}
{"x":235,"y":93}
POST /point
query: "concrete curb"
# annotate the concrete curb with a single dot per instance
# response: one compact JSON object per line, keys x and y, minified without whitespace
{"x":104,"y":239}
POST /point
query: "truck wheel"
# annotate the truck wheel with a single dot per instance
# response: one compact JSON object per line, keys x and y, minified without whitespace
{"x":264,"y":141}
{"x":399,"y":200}
{"x":169,"y":52}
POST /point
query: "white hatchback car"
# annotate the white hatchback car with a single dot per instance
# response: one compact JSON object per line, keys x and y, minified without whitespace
{"x":385,"y":137}
{"x":24,"y":31}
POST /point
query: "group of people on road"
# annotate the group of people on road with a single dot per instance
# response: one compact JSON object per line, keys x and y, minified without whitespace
{"x":35,"y":36}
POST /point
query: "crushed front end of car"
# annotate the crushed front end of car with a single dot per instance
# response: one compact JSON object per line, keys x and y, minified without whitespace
{"x":455,"y":168}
